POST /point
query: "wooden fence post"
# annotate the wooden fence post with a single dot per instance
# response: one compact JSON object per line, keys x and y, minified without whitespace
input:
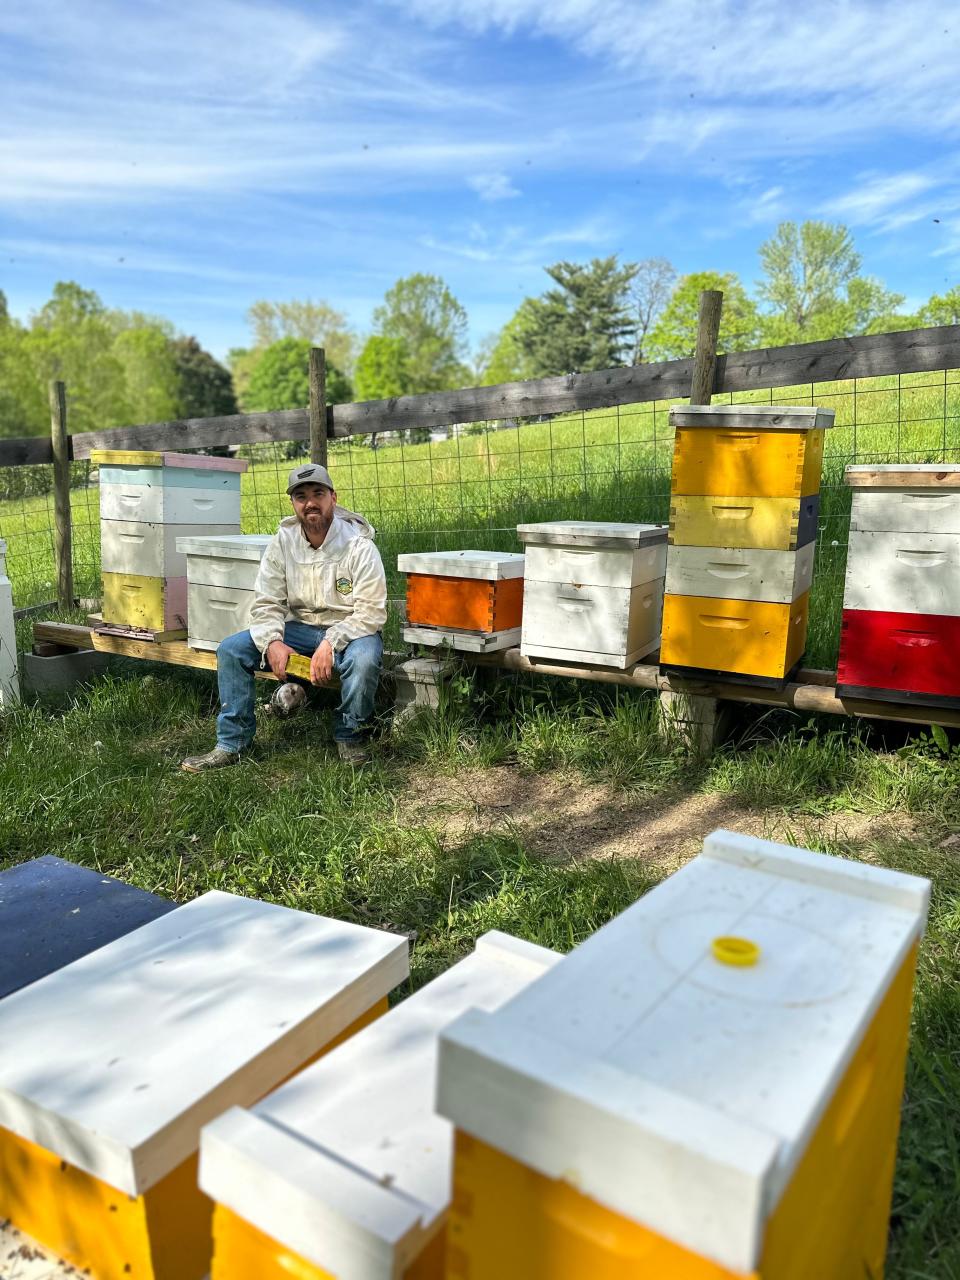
{"x":318,"y":405}
{"x":62,"y":539}
{"x":705,"y":359}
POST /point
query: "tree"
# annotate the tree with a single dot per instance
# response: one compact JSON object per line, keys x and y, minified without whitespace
{"x":649,"y":293}
{"x":383,"y":369}
{"x":241,"y":363}
{"x":941,"y":308}
{"x":583,"y":324}
{"x":422,"y":313}
{"x":674,"y":336}
{"x":506,"y":359}
{"x":149,"y":374}
{"x":316,"y":322}
{"x":281,"y":378}
{"x":204,"y":386}
{"x":813,"y":284}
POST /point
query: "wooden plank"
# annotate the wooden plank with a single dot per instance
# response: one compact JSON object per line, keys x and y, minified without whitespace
{"x":198,"y":433}
{"x":63,"y":529}
{"x":318,"y":405}
{"x":705,"y":357}
{"x":68,"y":634}
{"x":930,"y":475}
{"x":26,"y":451}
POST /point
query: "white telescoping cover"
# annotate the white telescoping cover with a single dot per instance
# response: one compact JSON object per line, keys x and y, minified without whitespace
{"x":348,"y":1164}
{"x":492,"y":566}
{"x":673,"y":1088}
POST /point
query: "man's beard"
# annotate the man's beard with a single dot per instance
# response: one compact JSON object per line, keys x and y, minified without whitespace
{"x":316,"y":523}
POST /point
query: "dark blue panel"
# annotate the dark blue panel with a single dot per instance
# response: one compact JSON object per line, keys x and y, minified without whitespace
{"x":53,"y":912}
{"x":807,"y":519}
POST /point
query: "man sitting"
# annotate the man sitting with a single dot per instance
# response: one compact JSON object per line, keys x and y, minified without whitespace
{"x":321,"y":592}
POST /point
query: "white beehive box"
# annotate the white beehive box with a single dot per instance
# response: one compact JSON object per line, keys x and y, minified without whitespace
{"x":903,"y":572}
{"x":897,"y":498}
{"x":9,"y":683}
{"x":491,"y":566}
{"x":593,"y":590}
{"x":348,"y":1165}
{"x":157,"y":1033}
{"x":221,"y":576}
{"x":740,"y":573}
{"x":678,"y":1091}
{"x":149,"y":550}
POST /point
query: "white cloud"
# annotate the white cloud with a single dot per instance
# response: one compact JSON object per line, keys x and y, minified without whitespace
{"x":493,"y":186}
{"x":876,"y":195}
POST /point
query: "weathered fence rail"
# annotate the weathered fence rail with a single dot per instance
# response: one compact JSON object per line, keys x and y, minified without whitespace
{"x":908,"y":351}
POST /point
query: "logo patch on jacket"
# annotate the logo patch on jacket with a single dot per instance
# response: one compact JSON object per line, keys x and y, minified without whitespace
{"x":344,"y":586}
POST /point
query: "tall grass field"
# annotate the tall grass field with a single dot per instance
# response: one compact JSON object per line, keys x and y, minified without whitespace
{"x":471,"y":490}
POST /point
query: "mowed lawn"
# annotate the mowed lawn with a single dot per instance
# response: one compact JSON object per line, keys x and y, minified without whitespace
{"x":473,"y":489}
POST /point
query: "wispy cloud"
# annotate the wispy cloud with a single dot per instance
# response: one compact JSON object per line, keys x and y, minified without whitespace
{"x":493,"y":186}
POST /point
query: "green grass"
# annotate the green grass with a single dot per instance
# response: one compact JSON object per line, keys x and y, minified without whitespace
{"x":473,"y":490}
{"x":95,"y":779}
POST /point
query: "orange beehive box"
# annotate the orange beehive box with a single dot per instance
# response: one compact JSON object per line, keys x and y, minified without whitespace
{"x":478,"y":591}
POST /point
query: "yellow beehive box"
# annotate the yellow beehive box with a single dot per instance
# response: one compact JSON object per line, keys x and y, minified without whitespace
{"x":345,"y":1170}
{"x":707,"y":1089}
{"x":110,"y":1067}
{"x":762,"y":450}
{"x":747,"y":637}
{"x":774,"y":524}
{"x":145,"y":603}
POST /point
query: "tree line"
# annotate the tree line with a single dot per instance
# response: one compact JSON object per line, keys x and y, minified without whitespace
{"x":126,"y":367}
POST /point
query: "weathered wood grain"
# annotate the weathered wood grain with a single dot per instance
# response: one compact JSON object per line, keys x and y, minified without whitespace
{"x":62,"y":525}
{"x":318,"y":405}
{"x":705,"y":357}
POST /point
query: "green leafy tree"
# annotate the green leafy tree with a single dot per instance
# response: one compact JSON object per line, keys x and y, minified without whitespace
{"x":241,"y":362}
{"x":422,"y":313}
{"x":941,"y":308}
{"x":316,"y":322}
{"x":674,"y":336}
{"x":813,"y":286}
{"x":151,"y":386}
{"x":585,"y":323}
{"x":281,"y":378}
{"x":506,"y":359}
{"x":382,"y":372}
{"x":204,"y":386}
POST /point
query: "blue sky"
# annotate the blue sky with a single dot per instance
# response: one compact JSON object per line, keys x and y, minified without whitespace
{"x":187,"y":159}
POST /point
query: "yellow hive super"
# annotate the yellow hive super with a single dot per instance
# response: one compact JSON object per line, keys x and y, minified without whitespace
{"x":814,"y":1206}
{"x":748,"y":637}
{"x":774,"y":524}
{"x":134,"y":600}
{"x":767,"y":464}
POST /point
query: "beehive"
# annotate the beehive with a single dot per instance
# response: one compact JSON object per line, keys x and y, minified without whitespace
{"x":593,"y":590}
{"x":471,"y":600}
{"x":744,"y":508}
{"x":9,"y":683}
{"x":708,"y":1087}
{"x":345,"y":1170}
{"x":110,"y":1067}
{"x":147,"y":501}
{"x":900,"y":632}
{"x":221,"y":577}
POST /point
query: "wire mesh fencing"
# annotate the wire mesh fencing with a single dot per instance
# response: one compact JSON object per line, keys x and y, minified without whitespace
{"x":469,"y":486}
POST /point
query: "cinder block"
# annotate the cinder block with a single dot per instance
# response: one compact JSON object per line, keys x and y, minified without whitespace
{"x":417,"y":685}
{"x":63,"y":672}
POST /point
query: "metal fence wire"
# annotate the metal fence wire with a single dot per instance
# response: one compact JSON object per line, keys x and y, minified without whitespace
{"x":469,"y":486}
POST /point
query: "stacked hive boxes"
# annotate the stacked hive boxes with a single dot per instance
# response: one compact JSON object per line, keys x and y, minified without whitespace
{"x":110,"y":1066}
{"x":471,"y":600}
{"x":709,"y":1087}
{"x":593,"y":590}
{"x":147,"y":501}
{"x":345,"y":1171}
{"x":900,"y":635}
{"x":743,"y":525}
{"x":9,"y":685}
{"x":221,"y":575}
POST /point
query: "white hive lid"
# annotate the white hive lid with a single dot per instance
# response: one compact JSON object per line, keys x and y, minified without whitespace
{"x":761,"y":417}
{"x":226,"y":546}
{"x":493,"y":566}
{"x":348,"y":1164}
{"x":672,"y":1088}
{"x":115,"y":1062}
{"x":901,"y":475}
{"x":591,"y":533}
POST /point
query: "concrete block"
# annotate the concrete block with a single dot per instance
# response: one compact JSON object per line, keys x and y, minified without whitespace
{"x":62,"y":672}
{"x":417,"y":685}
{"x":697,"y":722}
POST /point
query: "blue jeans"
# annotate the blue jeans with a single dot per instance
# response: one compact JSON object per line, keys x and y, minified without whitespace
{"x":238,"y":658}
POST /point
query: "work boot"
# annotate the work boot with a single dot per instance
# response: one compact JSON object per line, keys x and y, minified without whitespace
{"x":287,"y":701}
{"x":355,"y":753}
{"x":218,"y":758}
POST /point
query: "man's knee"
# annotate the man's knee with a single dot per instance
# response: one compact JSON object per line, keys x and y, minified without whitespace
{"x":361,"y":659}
{"x":238,"y":645}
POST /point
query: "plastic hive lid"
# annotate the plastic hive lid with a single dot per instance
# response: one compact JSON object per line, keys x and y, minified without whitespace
{"x":670,"y":1087}
{"x":348,"y":1164}
{"x":115,"y":1062}
{"x":762,"y":417}
{"x":899,"y":475}
{"x":592,"y":533}
{"x":491,"y":565}
{"x":235,"y":546}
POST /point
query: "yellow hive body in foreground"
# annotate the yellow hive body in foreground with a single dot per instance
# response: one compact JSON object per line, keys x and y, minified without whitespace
{"x":708,"y":1087}
{"x":110,"y":1067}
{"x":344,"y":1172}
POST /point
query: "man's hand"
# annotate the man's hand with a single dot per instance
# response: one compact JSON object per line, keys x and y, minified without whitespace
{"x":277,"y":655}
{"x":321,"y":664}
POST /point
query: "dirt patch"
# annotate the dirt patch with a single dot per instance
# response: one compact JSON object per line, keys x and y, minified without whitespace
{"x":561,"y":816}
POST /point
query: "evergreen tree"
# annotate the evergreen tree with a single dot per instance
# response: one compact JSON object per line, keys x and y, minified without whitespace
{"x":205,"y":387}
{"x":583,"y":324}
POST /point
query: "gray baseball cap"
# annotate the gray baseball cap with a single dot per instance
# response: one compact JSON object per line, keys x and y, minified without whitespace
{"x":312,"y":473}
